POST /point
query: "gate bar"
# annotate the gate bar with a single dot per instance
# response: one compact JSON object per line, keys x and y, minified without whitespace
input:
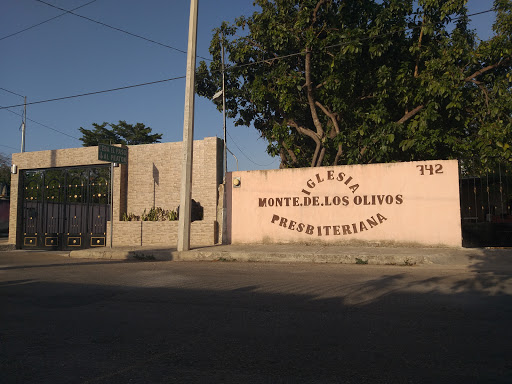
{"x":111,"y":202}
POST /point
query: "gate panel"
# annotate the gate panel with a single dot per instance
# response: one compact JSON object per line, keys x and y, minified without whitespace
{"x":76,"y":208}
{"x":53,"y":207}
{"x":99,"y":208}
{"x":65,"y":208}
{"x":32,"y":209}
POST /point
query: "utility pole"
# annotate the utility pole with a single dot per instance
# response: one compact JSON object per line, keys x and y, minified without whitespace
{"x":224,"y":210}
{"x":188,"y":134}
{"x":224,"y":109}
{"x":24,"y":127}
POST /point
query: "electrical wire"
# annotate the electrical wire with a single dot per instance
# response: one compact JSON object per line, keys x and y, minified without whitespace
{"x":247,"y":157}
{"x":43,"y":125}
{"x":14,"y":93}
{"x":242,"y":152}
{"x":95,"y":92}
{"x":43,"y":22}
{"x":272,"y":59}
{"x":175,"y":78}
{"x":227,"y":69}
{"x":6,"y":146}
{"x":119,"y":29}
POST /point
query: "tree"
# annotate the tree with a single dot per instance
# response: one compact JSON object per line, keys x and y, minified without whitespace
{"x":121,"y":133}
{"x":329,"y":82}
{"x":5,"y":175}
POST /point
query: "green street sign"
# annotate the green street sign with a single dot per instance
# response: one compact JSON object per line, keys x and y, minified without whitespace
{"x":112,"y":154}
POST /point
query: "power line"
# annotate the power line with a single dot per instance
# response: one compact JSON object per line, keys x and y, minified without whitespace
{"x":43,"y":125}
{"x":271,"y":59}
{"x":43,"y":22}
{"x":119,"y":29}
{"x":247,"y":157}
{"x":14,"y":93}
{"x":227,"y":69}
{"x":6,"y":146}
{"x":96,"y":92}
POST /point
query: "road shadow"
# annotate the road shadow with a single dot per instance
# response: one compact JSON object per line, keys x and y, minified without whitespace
{"x":65,"y":264}
{"x":166,"y":326}
{"x":493,"y":272}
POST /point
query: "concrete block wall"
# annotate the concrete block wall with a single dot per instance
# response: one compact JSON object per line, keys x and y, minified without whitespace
{"x":159,"y":233}
{"x":152,"y":178}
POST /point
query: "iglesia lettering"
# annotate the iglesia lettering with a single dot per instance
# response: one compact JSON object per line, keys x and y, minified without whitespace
{"x":330,"y":176}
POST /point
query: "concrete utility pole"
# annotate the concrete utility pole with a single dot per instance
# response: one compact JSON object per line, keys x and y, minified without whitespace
{"x":188,"y":134}
{"x":224,"y":210}
{"x":224,"y":109}
{"x":24,"y":127}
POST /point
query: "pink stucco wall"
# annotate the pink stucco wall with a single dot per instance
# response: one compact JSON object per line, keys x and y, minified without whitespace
{"x":415,"y":202}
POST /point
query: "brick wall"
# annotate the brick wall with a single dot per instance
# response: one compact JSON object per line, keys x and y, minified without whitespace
{"x":154,"y":176}
{"x":159,"y":233}
{"x":151,"y":178}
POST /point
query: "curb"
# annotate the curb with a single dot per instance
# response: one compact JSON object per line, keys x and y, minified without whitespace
{"x":250,"y":256}
{"x":293,"y":254}
{"x":126,"y":254}
{"x":287,"y":257}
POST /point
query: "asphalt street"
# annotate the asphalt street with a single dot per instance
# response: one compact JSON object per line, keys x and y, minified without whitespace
{"x":65,"y":320}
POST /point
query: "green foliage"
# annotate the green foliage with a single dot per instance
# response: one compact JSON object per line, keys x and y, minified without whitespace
{"x":361,"y":261}
{"x":130,"y":217}
{"x":225,"y":259}
{"x":155,"y":214}
{"x":121,"y":133}
{"x":5,"y":175}
{"x":329,"y":82}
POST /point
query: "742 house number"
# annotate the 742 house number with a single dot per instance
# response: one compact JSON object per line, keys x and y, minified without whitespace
{"x":430,"y":169}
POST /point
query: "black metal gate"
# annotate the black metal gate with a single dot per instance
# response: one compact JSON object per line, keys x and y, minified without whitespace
{"x":65,"y":208}
{"x":485,"y":206}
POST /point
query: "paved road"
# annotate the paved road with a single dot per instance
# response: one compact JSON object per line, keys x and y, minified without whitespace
{"x":91,"y":321}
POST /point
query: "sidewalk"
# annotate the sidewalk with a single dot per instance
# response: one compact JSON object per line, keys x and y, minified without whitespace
{"x":300,"y":253}
{"x":293,"y":253}
{"x":4,"y":246}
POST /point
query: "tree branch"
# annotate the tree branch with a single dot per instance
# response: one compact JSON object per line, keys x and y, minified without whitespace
{"x":416,"y":67}
{"x":317,"y":8}
{"x":320,"y":157}
{"x":410,"y":114}
{"x":483,"y":89}
{"x":324,"y":83}
{"x":486,"y":69}
{"x":338,"y":155}
{"x":331,"y":115}
{"x":290,"y":152}
{"x":309,"y":92}
{"x":309,"y":133}
{"x":283,"y":158}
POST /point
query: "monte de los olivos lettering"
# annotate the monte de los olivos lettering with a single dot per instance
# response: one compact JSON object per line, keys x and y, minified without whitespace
{"x":326,"y":201}
{"x":308,"y":200}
